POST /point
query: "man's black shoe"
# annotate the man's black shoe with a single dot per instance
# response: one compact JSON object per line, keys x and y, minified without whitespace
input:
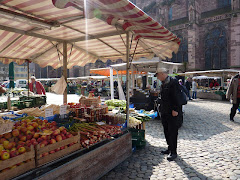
{"x":165,"y":152}
{"x":231,"y":119}
{"x":171,"y":156}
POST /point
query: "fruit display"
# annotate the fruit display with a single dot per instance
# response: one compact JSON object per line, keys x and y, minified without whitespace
{"x":112,"y":104}
{"x":92,"y":133}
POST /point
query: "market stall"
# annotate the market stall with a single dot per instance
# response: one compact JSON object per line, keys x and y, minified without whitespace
{"x":212,"y":84}
{"x":79,"y":33}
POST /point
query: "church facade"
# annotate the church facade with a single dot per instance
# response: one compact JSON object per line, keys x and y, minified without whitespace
{"x":209,"y":30}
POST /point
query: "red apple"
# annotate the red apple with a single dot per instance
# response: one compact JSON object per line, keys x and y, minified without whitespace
{"x":24,"y":129}
{"x":23,"y":138}
{"x":35,"y":125}
{"x":7,"y":135}
{"x":51,"y":152}
{"x":61,"y":128}
{"x":59,"y":138}
{"x":35,"y":143}
{"x":45,"y":154}
{"x":2,"y":140}
{"x":15,"y":132}
{"x":5,"y":156}
{"x":64,"y":131}
{"x":44,"y":137}
{"x":58,"y":149}
{"x":56,"y":132}
{"x":63,"y":147}
{"x":8,"y":145}
{"x":53,"y":123}
{"x":19,"y":128}
{"x":13,"y":153}
{"x":46,"y":121}
{"x":68,"y":135}
{"x":13,"y":144}
{"x":5,"y":144}
{"x":39,"y":140}
{"x":33,"y":140}
{"x":45,"y":142}
{"x":71,"y":144}
{"x":52,"y":141}
{"x":29,"y":137}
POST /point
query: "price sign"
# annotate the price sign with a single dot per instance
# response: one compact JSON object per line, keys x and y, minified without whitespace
{"x":49,"y":112}
{"x":63,"y":109}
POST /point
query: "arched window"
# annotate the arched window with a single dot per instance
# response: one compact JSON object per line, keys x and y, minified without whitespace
{"x":182,"y":55}
{"x":224,"y":3}
{"x":170,"y":14}
{"x":216,"y":49}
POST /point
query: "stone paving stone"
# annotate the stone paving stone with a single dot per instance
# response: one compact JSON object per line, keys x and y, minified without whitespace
{"x":208,"y":147}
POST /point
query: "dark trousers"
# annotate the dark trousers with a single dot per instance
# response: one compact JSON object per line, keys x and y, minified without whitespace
{"x":170,"y":127}
{"x":234,"y":108}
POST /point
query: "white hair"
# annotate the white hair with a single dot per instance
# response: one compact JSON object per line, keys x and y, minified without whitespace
{"x":162,"y":70}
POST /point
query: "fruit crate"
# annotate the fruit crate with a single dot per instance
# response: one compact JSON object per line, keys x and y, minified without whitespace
{"x":138,"y":137}
{"x":44,"y":155}
{"x":9,"y":168}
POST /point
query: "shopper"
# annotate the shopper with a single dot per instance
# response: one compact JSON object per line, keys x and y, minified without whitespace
{"x":188,"y":87}
{"x":233,"y":92}
{"x":36,"y":86}
{"x":169,"y":111}
{"x":214,"y":84}
{"x":194,"y":89}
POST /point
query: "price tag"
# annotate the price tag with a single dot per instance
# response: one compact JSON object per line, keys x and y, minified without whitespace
{"x":63,"y":109}
{"x":100,"y":123}
{"x":49,"y":112}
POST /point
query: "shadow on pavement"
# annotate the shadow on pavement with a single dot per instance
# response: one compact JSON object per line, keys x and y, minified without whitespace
{"x":189,"y":170}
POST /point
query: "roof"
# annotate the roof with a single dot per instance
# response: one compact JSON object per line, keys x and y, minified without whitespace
{"x":213,"y":72}
{"x":36,"y":29}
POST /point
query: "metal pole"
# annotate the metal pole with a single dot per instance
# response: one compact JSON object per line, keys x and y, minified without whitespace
{"x":127,"y":76}
{"x":65,"y":70}
{"x":28,"y":75}
{"x":111,"y":83}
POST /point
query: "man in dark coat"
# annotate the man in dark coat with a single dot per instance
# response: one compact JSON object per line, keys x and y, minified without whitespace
{"x":188,"y":87}
{"x":170,"y":111}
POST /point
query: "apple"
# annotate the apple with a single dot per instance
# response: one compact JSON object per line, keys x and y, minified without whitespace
{"x":24,"y":125}
{"x":63,"y":147}
{"x":21,"y":143}
{"x":14,"y":166}
{"x":2,"y":140}
{"x":15,"y":132}
{"x":5,"y":144}
{"x":28,"y":121}
{"x":39,"y":140}
{"x":35,"y":143}
{"x":44,"y":137}
{"x":59,"y":138}
{"x":1,"y":147}
{"x":58,"y":149}
{"x":68,"y":135}
{"x":52,"y":141}
{"x":33,"y":140}
{"x":29,"y":137}
{"x":64,"y":131}
{"x":29,"y":132}
{"x":56,"y":132}
{"x":13,"y":144}
{"x":19,"y":146}
{"x":23,"y":138}
{"x":30,"y":127}
{"x":5,"y":156}
{"x":45,"y":142}
{"x":51,"y":152}
{"x":22,"y":150}
{"x":46,"y":121}
{"x":53,"y":123}
{"x":45,"y":154}
{"x":35,"y":125}
{"x":13,"y":153}
{"x":19,"y":128}
{"x":7,"y":135}
{"x":8,"y":145}
{"x":63,"y":137}
{"x":24,"y":130}
{"x":61,"y":128}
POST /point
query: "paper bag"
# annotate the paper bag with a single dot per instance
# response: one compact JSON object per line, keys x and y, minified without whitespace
{"x":60,"y":86}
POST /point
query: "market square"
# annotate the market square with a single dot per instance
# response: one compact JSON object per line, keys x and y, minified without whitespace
{"x":119,"y":89}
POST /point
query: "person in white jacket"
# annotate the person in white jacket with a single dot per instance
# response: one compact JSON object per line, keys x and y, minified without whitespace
{"x":194,"y":89}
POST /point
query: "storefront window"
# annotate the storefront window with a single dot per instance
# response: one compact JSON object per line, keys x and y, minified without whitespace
{"x":224,"y":3}
{"x":182,"y":55}
{"x":216,"y":49}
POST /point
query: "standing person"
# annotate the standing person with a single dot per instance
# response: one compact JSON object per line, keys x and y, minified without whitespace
{"x":169,"y":110}
{"x":194,"y":89}
{"x":188,"y":87}
{"x":36,"y":86}
{"x":233,"y":92}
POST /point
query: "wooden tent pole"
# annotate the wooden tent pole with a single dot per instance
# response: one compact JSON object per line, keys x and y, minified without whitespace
{"x":127,"y":76}
{"x":65,"y":70}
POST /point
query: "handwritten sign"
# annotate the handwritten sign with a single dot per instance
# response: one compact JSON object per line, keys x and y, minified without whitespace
{"x":49,"y":112}
{"x":100,"y":123}
{"x":63,"y":109}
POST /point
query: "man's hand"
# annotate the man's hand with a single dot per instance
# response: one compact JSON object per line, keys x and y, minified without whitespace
{"x":174,"y":113}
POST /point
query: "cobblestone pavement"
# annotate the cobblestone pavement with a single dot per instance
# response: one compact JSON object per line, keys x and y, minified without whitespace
{"x":208,"y":147}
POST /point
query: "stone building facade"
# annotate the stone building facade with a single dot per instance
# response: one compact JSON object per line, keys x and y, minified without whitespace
{"x":210,"y":30}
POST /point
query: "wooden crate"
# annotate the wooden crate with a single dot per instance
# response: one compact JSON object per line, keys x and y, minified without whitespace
{"x":94,"y":164}
{"x":11,"y":173}
{"x":50,"y":157}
